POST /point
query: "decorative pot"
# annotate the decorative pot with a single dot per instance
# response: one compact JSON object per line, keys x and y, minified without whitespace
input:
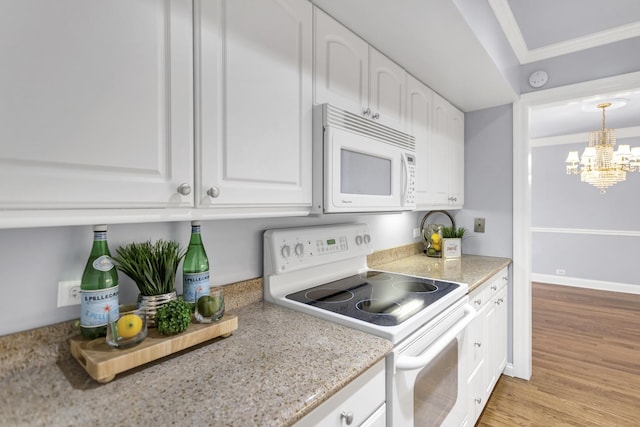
{"x":451,"y":247}
{"x":151,"y":303}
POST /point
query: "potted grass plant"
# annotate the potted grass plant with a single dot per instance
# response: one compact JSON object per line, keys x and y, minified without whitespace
{"x":452,"y":241}
{"x":153,"y":267}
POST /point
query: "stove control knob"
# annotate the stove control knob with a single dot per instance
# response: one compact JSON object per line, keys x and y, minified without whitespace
{"x":285,"y":251}
{"x":358,"y":240}
{"x":299,"y":249}
{"x":367,"y":239}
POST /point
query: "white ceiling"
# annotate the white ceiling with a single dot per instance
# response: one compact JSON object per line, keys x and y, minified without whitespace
{"x":457,"y":47}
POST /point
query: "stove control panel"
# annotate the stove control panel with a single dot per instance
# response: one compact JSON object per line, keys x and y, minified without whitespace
{"x":291,"y":249}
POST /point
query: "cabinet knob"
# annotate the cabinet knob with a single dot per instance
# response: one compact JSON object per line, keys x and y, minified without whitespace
{"x":367,"y":112}
{"x":213,"y":192}
{"x":347,"y":417}
{"x":494,"y":287}
{"x":477,"y":344}
{"x":478,"y":400}
{"x":184,"y":189}
{"x":477,"y":302}
{"x":376,"y":116}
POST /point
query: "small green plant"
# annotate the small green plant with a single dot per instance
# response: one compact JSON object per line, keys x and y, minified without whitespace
{"x":152,"y":267}
{"x":453,"y":233}
{"x":173,"y":317}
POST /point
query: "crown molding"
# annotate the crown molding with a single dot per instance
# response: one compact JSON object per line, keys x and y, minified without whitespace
{"x":512,"y":31}
{"x":630,"y":132}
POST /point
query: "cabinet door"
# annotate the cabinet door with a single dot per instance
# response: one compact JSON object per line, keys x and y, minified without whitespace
{"x":254,"y":112}
{"x":440,"y":150}
{"x":341,"y":73}
{"x":96,"y":104}
{"x":419,"y":114}
{"x":456,"y":132}
{"x":387,"y":86}
{"x":499,"y":347}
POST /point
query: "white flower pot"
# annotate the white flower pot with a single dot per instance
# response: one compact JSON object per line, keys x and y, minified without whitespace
{"x":451,"y":248}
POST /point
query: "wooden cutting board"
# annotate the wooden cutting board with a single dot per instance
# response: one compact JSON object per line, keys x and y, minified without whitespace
{"x":102,"y":362}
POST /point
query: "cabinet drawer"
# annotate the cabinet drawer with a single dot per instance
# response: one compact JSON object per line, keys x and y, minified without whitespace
{"x":480,"y":297}
{"x":362,"y":398}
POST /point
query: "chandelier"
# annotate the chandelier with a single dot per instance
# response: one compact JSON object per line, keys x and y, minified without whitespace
{"x":599,"y":164}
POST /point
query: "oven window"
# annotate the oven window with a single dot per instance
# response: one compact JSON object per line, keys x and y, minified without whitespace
{"x":364,"y":174}
{"x":436,"y":388}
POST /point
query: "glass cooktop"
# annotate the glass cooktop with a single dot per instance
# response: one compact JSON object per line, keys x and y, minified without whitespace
{"x":381,"y":298}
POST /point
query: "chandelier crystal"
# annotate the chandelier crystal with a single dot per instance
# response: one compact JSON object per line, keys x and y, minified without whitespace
{"x":599,"y":164}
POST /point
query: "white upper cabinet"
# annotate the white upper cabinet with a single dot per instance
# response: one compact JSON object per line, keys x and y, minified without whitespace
{"x":439,"y":131}
{"x":96,"y":104}
{"x":419,"y":118}
{"x":445,"y":183}
{"x":253,"y":104}
{"x":387,"y":86}
{"x":342,"y":65}
{"x":352,"y":75}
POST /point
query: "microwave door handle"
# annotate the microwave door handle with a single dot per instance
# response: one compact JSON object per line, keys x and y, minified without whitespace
{"x":419,"y":362}
{"x":405,"y":176}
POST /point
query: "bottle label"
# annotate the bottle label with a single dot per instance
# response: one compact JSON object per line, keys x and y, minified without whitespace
{"x":195,"y":282}
{"x":99,"y":235}
{"x":95,"y":307}
{"x":103,"y":263}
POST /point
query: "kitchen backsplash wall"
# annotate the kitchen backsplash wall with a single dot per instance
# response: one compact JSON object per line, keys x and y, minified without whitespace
{"x":34,"y":260}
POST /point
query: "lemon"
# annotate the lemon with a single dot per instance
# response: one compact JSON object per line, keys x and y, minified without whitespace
{"x":435,"y":237}
{"x":436,"y":246}
{"x":129,"y":325}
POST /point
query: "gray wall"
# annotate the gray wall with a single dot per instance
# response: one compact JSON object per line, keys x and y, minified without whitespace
{"x":32,"y":261}
{"x":488,"y":158}
{"x":591,"y":236}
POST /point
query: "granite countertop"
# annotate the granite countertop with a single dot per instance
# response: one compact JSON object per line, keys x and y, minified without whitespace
{"x":273,"y":370}
{"x":473,"y":270}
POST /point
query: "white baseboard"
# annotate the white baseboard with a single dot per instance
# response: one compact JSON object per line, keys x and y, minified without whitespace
{"x":577,"y":282}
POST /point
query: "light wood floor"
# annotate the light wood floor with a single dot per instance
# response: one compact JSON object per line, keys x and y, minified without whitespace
{"x":586,"y":363}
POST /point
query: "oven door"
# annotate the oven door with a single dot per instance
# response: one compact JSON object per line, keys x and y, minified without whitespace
{"x":427,"y":374}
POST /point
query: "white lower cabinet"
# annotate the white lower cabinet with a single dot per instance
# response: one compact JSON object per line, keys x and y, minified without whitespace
{"x":487,"y":341}
{"x":359,"y":403}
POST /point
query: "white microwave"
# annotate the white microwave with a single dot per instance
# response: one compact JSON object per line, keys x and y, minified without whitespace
{"x":360,"y":165}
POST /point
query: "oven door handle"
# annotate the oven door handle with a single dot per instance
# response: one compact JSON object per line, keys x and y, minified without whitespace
{"x":419,"y":362}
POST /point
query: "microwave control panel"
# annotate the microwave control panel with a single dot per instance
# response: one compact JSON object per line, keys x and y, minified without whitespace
{"x":409,"y":198}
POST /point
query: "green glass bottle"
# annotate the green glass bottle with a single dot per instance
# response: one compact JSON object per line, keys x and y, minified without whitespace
{"x":98,"y":287}
{"x":195,"y":269}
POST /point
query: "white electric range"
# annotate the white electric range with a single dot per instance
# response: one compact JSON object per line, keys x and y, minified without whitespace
{"x":323,"y":271}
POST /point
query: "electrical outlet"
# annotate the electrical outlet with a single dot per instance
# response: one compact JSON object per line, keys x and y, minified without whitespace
{"x":478,"y":225}
{"x":68,"y":293}
{"x":561,"y":272}
{"x":416,"y":233}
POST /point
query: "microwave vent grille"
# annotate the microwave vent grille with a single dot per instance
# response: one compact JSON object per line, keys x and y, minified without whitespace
{"x":337,"y":117}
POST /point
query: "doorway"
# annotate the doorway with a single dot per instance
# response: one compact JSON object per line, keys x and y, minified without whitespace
{"x":522,"y":240}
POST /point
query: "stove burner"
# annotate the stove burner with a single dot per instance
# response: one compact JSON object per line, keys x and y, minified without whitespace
{"x":378,"y":306}
{"x":329,"y":295}
{"x":417,"y":287}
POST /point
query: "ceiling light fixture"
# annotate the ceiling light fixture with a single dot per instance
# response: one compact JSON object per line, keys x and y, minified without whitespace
{"x":599,"y":165}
